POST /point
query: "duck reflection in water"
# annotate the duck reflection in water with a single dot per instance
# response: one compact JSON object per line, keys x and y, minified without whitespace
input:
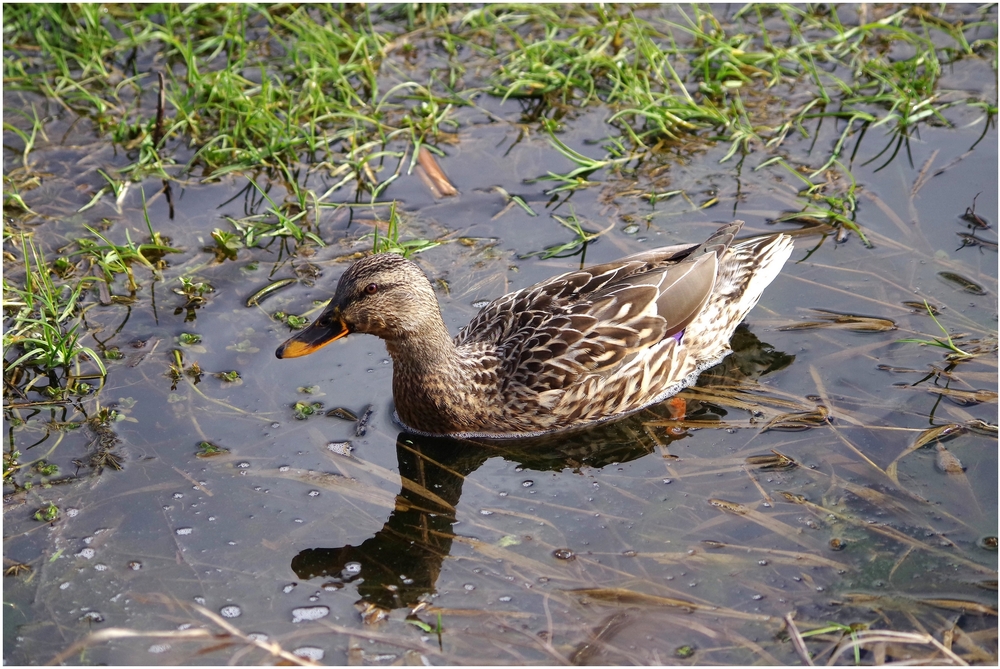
{"x":398,"y":567}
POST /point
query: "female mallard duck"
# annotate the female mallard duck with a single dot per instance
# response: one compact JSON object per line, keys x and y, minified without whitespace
{"x":577,"y":349}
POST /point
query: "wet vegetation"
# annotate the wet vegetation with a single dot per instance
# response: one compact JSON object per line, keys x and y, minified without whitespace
{"x":183,"y":185}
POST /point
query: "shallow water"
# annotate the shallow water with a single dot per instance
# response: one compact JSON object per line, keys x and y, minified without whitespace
{"x":644,"y":541}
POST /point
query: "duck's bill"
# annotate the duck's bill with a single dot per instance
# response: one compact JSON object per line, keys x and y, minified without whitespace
{"x":312,"y":339}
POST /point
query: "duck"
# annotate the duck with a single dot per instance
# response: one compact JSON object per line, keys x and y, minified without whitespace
{"x":578,"y":349}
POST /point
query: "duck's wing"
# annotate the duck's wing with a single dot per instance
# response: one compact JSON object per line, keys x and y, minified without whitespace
{"x":526,"y":307}
{"x":548,"y":336}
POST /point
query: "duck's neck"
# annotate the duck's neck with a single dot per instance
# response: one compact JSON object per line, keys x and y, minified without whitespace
{"x":423,"y":352}
{"x":432,"y":381}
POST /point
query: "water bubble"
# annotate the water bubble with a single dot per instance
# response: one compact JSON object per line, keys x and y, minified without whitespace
{"x":101,"y":567}
{"x":469,"y":587}
{"x":667,"y":481}
{"x":178,"y":495}
{"x":527,"y":484}
{"x":629,"y":553}
{"x":243,"y":465}
{"x":63,"y":586}
{"x":758,"y":597}
{"x":257,"y":636}
{"x":87,"y":553}
{"x":93,"y":617}
{"x":157,"y":648}
{"x":135,"y":565}
{"x":331,"y":586}
{"x":564,"y":554}
{"x":310,"y":653}
{"x":503,"y":493}
{"x":199,"y":600}
{"x":72,"y":513}
{"x":283,"y":468}
{"x":275,"y":425}
{"x":309,"y":613}
{"x":88,"y":540}
{"x":230,"y":611}
{"x":352,"y":569}
{"x":630,"y":229}
{"x":183,"y":531}
{"x":288,"y":588}
{"x":506,"y":598}
{"x":485,"y":512}
{"x":479,"y":304}
{"x":314,"y":493}
{"x":762,"y":563}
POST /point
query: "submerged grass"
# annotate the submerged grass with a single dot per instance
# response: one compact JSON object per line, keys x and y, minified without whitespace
{"x":44,"y":320}
{"x":390,"y":241}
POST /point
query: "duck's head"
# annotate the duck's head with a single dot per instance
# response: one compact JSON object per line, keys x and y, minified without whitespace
{"x":384,"y":294}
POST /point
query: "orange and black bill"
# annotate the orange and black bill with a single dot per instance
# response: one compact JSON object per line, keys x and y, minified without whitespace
{"x":327,"y":328}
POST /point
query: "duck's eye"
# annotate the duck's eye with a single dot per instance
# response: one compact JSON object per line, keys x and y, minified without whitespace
{"x":371,"y":288}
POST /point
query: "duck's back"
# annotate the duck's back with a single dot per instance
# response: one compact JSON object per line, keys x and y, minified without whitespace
{"x":610,"y":339}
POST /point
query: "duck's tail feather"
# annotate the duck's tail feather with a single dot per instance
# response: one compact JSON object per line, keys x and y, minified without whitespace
{"x":720,"y":240}
{"x":745,"y":270}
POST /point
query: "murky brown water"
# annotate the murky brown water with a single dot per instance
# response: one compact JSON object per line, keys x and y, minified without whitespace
{"x":644,"y":541}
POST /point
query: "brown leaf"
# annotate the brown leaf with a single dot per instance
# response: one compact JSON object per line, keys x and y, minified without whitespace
{"x":797,"y":421}
{"x":965,"y":398}
{"x":774,"y":461}
{"x":852,"y":322}
{"x":439,"y":183}
{"x":946,"y":462}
